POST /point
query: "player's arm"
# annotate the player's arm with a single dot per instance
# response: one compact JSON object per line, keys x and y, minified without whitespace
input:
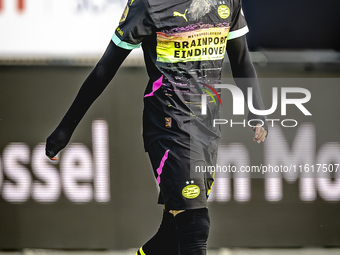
{"x":93,"y":86}
{"x":245,"y":76}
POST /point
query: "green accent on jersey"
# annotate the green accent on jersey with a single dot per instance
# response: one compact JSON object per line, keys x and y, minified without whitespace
{"x":238,"y":33}
{"x":124,"y":45}
{"x":212,"y":96}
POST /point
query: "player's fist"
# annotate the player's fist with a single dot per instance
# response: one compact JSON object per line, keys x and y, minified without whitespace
{"x":56,"y":142}
{"x":260,"y":134}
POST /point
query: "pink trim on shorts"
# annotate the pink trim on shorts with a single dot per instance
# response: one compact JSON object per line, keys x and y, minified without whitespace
{"x":160,"y":168}
{"x":156,"y":85}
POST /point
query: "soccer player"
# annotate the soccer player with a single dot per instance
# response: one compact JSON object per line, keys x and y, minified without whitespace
{"x":184,"y":44}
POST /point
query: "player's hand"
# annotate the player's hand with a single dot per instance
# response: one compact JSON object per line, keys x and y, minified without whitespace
{"x":55,"y":143}
{"x":260,"y":134}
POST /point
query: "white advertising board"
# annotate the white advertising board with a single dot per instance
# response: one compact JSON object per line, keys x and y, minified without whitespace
{"x":57,"y":28}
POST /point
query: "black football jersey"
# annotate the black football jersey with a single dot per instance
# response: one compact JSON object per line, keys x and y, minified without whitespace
{"x":184,"y":44}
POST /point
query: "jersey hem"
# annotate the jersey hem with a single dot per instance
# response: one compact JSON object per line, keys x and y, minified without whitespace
{"x":238,"y":33}
{"x":124,"y":45}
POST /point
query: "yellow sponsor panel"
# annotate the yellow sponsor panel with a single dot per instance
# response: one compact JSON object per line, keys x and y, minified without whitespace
{"x":191,"y":191}
{"x":198,"y":45}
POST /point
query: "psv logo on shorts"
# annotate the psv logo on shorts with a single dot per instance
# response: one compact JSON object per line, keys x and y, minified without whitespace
{"x":191,"y":191}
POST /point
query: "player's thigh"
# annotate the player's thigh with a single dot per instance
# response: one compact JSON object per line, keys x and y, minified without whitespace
{"x":173,"y":161}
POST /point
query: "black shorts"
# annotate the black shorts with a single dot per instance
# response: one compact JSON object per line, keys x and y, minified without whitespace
{"x":173,"y":162}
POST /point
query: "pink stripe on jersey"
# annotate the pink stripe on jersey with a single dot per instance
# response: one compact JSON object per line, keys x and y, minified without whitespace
{"x":160,"y":168}
{"x":155,"y":86}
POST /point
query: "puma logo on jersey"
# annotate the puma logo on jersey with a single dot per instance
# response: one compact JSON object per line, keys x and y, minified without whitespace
{"x":177,"y":14}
